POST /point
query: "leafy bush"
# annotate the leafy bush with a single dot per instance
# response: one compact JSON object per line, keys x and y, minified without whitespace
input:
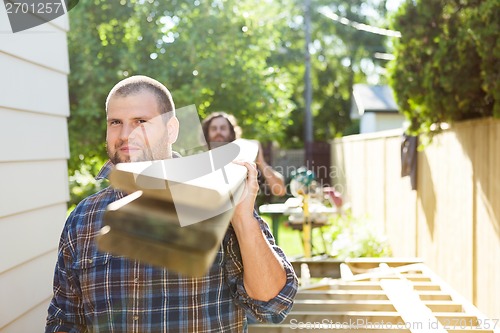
{"x":353,"y":238}
{"x":83,"y":183}
{"x":446,"y":66}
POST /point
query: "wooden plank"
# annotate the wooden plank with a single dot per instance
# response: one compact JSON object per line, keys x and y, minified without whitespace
{"x":338,"y":300}
{"x":325,"y":327}
{"x":364,"y":295}
{"x":32,"y":88}
{"x":377,"y":316}
{"x":28,"y":186}
{"x":464,"y":198}
{"x":319,"y":267}
{"x":374,"y":285}
{"x":39,"y":228}
{"x":443,"y":306}
{"x":433,"y":295}
{"x":343,"y":316}
{"x":470,"y":330}
{"x":487,"y":223}
{"x":176,"y":219}
{"x":341,"y":295}
{"x":415,"y":277}
{"x":442,"y":195}
{"x":385,"y":271}
{"x":374,"y":169}
{"x":33,"y":136}
{"x":445,"y":318}
{"x":337,"y":327}
{"x":343,"y":305}
{"x":207,"y":181}
{"x":468,"y":307}
{"x":369,"y":305}
{"x":399,"y":203}
{"x":345,"y":272}
{"x":408,"y":304}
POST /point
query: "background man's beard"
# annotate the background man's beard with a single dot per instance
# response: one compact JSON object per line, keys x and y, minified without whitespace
{"x":217,"y":144}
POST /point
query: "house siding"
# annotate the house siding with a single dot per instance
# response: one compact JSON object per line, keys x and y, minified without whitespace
{"x":380,"y":121}
{"x":34,"y":107}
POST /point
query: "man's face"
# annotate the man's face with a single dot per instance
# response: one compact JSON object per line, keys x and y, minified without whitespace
{"x":219,"y":131}
{"x":136,"y":130}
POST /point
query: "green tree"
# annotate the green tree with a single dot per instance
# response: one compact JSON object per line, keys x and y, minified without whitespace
{"x":212,"y":55}
{"x":107,"y":42}
{"x":229,"y":55}
{"x":215,"y":57}
{"x":341,"y":56}
{"x":446,"y":66}
{"x":347,"y":55}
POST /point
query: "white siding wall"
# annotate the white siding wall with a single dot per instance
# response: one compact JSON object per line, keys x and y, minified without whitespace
{"x":389,"y":121}
{"x":380,"y":121}
{"x":368,"y":123}
{"x":33,"y":174}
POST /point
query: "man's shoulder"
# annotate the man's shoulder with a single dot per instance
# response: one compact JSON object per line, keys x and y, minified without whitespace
{"x":95,"y":202}
{"x":106,"y":194}
{"x":86,"y":219}
{"x":84,"y":223}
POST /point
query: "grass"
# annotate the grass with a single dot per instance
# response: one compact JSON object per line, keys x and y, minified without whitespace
{"x":345,"y":237}
{"x":291,"y":242}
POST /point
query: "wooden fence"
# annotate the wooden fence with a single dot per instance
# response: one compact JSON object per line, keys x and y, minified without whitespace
{"x":451,"y":220}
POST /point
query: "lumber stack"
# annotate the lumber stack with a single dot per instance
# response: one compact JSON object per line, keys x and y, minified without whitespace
{"x":382,"y":298}
{"x":177,"y":210}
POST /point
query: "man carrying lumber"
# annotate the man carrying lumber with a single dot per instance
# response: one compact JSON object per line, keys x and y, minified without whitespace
{"x":99,"y":292}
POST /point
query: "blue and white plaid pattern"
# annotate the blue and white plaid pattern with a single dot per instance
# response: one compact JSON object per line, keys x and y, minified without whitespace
{"x":98,"y":292}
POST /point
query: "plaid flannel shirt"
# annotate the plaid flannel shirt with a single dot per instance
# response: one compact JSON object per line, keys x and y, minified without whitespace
{"x":98,"y":292}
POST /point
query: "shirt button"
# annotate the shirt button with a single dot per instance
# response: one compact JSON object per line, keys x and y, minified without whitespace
{"x":136,"y":318}
{"x":136,"y":280}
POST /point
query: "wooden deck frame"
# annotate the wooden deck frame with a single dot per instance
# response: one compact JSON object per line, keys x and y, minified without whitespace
{"x":379,"y":297}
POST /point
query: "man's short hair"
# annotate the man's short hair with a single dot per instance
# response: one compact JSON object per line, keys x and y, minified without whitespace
{"x":138,"y":83}
{"x":233,"y":125}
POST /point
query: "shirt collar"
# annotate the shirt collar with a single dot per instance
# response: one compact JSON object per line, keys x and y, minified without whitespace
{"x":105,"y":170}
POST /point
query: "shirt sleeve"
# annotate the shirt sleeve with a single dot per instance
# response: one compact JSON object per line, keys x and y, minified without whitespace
{"x":274,"y":310}
{"x":65,"y":313}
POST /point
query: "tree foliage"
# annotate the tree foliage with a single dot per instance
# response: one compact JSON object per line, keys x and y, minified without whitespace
{"x":446,"y":66}
{"x":212,"y":55}
{"x":242,"y":57}
{"x":216,"y":58}
{"x":339,"y":54}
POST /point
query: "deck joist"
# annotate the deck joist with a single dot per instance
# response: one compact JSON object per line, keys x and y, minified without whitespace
{"x":378,"y":296}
